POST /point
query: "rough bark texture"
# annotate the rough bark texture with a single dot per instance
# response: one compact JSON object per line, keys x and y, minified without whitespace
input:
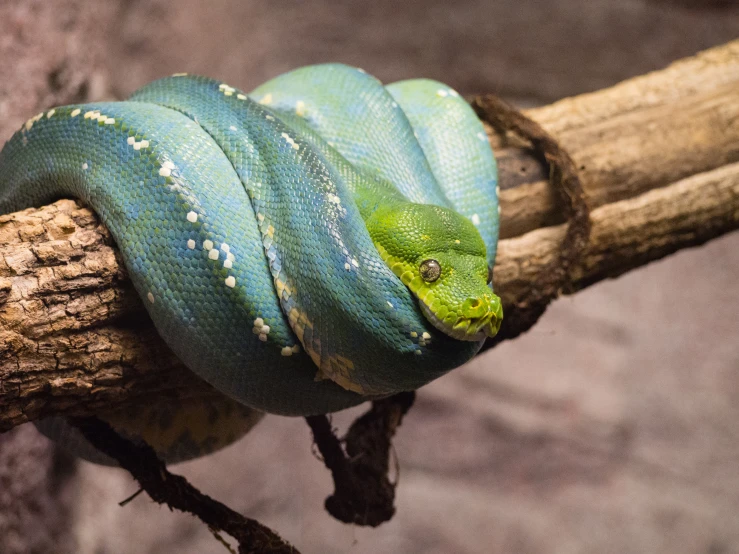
{"x":45,"y":60}
{"x":64,"y":334}
{"x":75,"y":337}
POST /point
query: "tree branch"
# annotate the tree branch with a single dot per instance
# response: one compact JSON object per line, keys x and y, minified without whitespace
{"x":658,"y":158}
{"x":363,"y":493}
{"x":176,"y":492}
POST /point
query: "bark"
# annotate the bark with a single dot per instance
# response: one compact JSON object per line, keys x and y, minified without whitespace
{"x":658,"y":159}
{"x":45,"y":60}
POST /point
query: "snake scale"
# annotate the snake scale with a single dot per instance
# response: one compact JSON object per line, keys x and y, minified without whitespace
{"x":319,"y":242}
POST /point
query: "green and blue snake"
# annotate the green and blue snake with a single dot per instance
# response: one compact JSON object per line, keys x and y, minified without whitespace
{"x":322,"y":241}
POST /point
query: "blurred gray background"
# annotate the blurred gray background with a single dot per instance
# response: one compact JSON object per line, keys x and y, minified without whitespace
{"x":611,"y":427}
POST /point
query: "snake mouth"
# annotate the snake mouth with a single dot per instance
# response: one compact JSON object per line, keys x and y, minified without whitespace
{"x":468,"y":329}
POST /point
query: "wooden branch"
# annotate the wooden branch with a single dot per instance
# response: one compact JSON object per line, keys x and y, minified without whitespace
{"x":641,"y":134}
{"x":658,"y":156}
{"x":629,"y":233}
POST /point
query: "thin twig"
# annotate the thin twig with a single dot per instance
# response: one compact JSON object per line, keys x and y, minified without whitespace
{"x":176,"y":492}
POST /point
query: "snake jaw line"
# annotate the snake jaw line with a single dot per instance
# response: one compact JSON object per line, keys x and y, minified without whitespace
{"x":465,"y":329}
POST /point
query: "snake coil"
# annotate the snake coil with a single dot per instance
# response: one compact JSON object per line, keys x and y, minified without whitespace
{"x":319,"y":242}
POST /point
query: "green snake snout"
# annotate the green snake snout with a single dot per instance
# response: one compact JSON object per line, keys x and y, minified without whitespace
{"x":440,"y":256}
{"x":484,"y":316}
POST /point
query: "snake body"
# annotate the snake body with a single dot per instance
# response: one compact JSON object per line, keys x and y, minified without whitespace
{"x":282,"y":241}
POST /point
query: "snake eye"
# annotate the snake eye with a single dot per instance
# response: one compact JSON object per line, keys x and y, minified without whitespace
{"x":430,"y":270}
{"x":490,"y":275}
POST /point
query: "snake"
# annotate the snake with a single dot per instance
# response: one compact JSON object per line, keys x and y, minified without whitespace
{"x":319,"y":242}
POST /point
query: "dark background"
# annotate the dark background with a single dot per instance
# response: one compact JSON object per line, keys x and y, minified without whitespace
{"x":611,"y":427}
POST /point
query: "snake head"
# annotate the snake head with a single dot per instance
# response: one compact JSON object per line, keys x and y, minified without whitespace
{"x":441,"y":257}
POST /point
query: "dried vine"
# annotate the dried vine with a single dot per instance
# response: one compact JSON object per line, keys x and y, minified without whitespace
{"x":554,"y":277}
